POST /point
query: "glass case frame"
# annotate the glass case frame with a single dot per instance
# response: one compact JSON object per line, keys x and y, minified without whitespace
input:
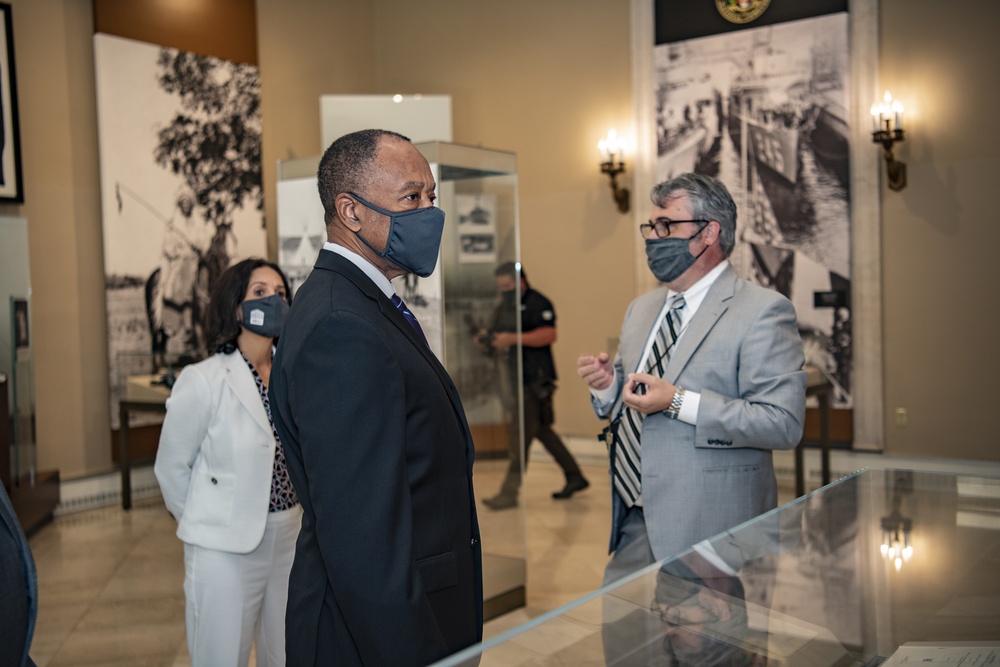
{"x":882,"y":567}
{"x":477,"y":189}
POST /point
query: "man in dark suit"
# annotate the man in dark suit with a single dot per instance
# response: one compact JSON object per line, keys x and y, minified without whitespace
{"x":18,"y":589}
{"x":388,"y":565}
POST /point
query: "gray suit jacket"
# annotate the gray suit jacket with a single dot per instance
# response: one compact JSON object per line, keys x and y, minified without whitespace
{"x":742,"y":353}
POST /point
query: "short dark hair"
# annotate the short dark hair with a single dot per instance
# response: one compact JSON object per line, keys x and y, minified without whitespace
{"x":221,"y":325}
{"x":710,"y":200}
{"x":346,"y":166}
{"x":511,"y":269}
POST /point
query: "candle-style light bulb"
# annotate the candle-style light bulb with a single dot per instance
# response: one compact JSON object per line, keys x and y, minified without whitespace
{"x":897,"y":110}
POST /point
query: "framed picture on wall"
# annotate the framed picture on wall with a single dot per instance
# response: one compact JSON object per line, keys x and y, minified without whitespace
{"x":10,"y":134}
{"x":22,"y":336}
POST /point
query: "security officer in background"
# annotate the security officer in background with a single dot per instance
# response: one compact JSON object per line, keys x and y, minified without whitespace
{"x":538,"y":332}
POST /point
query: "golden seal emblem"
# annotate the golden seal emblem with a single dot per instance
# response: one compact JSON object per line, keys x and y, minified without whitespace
{"x":741,"y":11}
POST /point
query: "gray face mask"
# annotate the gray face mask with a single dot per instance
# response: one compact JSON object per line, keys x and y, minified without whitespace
{"x":669,"y":258}
{"x":414,"y":237}
{"x":266,"y":316}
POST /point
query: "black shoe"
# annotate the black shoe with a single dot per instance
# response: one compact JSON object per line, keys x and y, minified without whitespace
{"x":572,"y":486}
{"x":500,"y":502}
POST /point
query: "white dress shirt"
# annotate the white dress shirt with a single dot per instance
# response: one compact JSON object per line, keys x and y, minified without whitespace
{"x":377,"y":276}
{"x":693,"y":297}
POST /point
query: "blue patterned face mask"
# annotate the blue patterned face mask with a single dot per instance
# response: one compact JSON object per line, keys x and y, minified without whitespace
{"x":414,"y":237}
{"x":266,"y":316}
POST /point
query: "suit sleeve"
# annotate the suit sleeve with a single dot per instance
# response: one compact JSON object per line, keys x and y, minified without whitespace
{"x":348,"y":398}
{"x":604,"y":406}
{"x":769,"y":411}
{"x":189,"y":412}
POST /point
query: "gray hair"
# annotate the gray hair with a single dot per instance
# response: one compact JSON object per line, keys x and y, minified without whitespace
{"x":710,"y":200}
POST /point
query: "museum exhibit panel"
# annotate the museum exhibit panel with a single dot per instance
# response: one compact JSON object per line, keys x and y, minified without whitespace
{"x":882,"y":567}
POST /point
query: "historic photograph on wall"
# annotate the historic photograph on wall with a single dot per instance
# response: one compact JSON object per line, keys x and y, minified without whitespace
{"x":477,"y":228}
{"x":764,"y":109}
{"x":11,"y":188}
{"x":180,"y":139}
{"x":301,"y":228}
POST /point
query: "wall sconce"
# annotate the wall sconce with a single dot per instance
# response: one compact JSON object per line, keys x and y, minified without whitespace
{"x":612,"y":151}
{"x":887,"y":119}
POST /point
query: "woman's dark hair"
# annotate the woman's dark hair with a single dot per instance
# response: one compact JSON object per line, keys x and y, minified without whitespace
{"x":221,"y":325}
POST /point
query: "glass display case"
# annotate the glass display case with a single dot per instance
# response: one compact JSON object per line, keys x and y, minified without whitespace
{"x":16,"y":354}
{"x":477,"y":189}
{"x":34,"y":493}
{"x":883,"y":567}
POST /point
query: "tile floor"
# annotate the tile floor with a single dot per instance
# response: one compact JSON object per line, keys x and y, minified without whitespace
{"x":110,"y":582}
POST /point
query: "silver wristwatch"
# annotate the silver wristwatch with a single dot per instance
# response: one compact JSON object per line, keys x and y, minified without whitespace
{"x":674,"y":409}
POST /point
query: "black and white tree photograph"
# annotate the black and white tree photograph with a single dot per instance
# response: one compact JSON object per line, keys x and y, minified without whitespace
{"x":764,"y":110}
{"x":180,"y":138}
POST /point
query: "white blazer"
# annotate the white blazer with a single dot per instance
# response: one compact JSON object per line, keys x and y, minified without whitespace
{"x":216,"y":456}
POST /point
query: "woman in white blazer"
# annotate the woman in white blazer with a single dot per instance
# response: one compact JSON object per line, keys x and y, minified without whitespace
{"x":222,"y":473}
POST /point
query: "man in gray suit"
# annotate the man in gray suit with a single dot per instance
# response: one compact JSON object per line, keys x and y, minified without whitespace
{"x":707,"y":381}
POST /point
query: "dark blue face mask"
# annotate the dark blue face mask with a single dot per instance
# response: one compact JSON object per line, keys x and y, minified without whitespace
{"x":414,"y":237}
{"x":265,"y":316}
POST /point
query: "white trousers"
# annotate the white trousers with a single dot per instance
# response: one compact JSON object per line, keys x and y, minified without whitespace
{"x":233,"y":599}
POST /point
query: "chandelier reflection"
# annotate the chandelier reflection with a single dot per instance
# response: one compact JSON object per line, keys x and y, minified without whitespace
{"x":897,"y":542}
{"x":897,"y":546}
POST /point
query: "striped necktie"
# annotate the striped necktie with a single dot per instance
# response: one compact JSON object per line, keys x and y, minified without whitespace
{"x":410,"y":317}
{"x":627,"y":463}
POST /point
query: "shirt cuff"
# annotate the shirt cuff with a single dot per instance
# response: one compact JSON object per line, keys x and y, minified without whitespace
{"x":689,"y":408}
{"x":608,"y":395}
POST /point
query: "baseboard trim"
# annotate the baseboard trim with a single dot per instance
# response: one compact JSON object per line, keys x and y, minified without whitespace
{"x":105,"y":489}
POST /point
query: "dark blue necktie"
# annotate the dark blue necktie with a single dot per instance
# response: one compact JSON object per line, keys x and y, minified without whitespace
{"x":410,"y":317}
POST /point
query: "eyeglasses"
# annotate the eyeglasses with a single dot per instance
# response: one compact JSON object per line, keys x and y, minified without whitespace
{"x":662,"y":227}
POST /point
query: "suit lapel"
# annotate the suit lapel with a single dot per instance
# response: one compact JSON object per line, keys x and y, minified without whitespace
{"x":241,"y":382}
{"x":645,"y":320}
{"x":709,"y":312}
{"x":334,"y":262}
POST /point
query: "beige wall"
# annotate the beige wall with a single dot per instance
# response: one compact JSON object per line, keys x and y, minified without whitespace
{"x":55,"y":77}
{"x":544,"y":81}
{"x":524,"y":76}
{"x":306,"y":49}
{"x":940,"y":235}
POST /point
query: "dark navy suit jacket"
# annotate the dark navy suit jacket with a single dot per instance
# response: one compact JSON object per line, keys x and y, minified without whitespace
{"x":18,"y":588}
{"x":388,"y":564}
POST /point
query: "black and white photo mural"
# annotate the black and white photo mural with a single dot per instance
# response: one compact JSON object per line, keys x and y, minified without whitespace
{"x":763,"y":108}
{"x":180,"y":138}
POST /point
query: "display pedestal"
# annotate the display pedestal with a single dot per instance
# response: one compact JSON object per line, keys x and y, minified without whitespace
{"x":819,"y":387}
{"x":34,"y":500}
